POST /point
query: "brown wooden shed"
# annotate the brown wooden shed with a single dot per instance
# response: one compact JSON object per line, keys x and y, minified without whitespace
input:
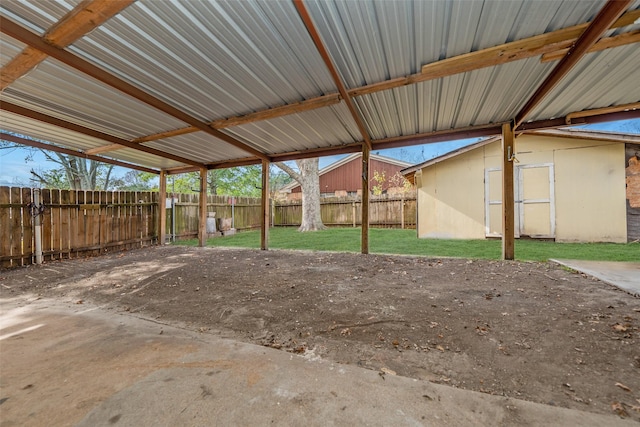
{"x":344,"y":177}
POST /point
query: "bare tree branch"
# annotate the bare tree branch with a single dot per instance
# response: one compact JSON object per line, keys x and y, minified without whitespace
{"x":292,"y":173}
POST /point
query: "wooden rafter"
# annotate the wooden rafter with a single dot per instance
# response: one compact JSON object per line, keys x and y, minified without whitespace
{"x":438,"y":136}
{"x":86,"y":16}
{"x":16,"y":109}
{"x":497,"y":55}
{"x":602,"y":44}
{"x":69,"y":152}
{"x":105,"y":149}
{"x":313,"y":32}
{"x":600,"y":111}
{"x":284,"y":110}
{"x":607,"y":16}
{"x":23,"y":35}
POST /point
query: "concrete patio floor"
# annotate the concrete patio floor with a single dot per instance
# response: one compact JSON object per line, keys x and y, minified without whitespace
{"x":71,"y":364}
{"x":623,"y":275}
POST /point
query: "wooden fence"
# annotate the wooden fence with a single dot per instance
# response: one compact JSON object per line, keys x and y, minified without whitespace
{"x":384,"y":212}
{"x":246,"y":212}
{"x":74,"y":223}
{"x":85,"y":223}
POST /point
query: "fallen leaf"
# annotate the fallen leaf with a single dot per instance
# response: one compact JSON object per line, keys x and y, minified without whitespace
{"x":388,"y":371}
{"x":620,"y":328}
{"x":439,"y":347}
{"x":622,"y":386}
{"x":79,"y":301}
{"x":618,"y":408}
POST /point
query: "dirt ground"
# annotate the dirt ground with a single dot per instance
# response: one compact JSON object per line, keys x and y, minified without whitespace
{"x":531,"y":331}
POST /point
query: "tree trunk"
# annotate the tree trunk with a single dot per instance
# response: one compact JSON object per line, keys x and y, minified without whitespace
{"x":309,"y":180}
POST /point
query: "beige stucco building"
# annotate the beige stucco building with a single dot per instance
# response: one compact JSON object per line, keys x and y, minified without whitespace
{"x":569,"y":186}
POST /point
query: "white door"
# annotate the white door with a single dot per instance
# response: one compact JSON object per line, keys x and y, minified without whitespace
{"x":535,"y":200}
{"x":534,"y":196}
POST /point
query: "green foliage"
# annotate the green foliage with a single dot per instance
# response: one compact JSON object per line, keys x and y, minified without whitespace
{"x":379,"y":179}
{"x":239,"y":181}
{"x":405,"y":242}
{"x":136,"y":181}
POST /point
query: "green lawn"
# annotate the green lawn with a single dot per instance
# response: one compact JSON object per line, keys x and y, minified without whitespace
{"x":392,"y":241}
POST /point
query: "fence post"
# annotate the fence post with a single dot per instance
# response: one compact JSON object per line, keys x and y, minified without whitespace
{"x":162,"y":208}
{"x":38,"y":225}
{"x":402,"y":212}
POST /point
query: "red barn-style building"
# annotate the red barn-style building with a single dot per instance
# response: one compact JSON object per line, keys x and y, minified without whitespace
{"x":343,"y":178}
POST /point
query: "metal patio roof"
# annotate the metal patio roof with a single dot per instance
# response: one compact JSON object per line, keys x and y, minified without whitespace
{"x":184,"y":84}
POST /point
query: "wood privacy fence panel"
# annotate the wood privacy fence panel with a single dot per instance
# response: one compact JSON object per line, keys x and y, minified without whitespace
{"x":245,"y":211}
{"x":74,"y":223}
{"x":388,"y":212}
{"x":16,"y":232}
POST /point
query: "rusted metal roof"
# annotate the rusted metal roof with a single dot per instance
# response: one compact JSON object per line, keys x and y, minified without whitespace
{"x":251,"y":70}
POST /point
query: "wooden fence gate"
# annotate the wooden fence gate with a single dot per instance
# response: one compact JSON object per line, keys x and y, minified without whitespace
{"x":74,"y":223}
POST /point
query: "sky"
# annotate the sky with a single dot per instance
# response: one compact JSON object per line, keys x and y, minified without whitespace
{"x":15,"y":166}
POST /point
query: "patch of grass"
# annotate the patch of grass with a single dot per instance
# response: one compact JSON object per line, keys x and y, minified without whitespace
{"x":405,"y":242}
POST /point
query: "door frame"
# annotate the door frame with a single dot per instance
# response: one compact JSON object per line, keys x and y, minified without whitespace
{"x":519,"y":202}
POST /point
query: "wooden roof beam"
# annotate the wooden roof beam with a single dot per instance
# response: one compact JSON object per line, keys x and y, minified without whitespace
{"x":602,"y":44}
{"x":271,"y":113}
{"x":439,"y":136}
{"x":16,"y":109}
{"x":313,"y":32}
{"x":607,"y":16}
{"x":497,"y":55}
{"x":600,"y":117}
{"x":86,"y":16}
{"x":23,"y":35}
{"x":50,"y":147}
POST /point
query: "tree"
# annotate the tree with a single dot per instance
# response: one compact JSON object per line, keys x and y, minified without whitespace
{"x":238,"y":181}
{"x":309,"y":179}
{"x":136,"y":181}
{"x":73,"y":173}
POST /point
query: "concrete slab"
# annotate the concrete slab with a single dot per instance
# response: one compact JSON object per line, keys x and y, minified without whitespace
{"x":624,"y":275}
{"x":77,"y":365}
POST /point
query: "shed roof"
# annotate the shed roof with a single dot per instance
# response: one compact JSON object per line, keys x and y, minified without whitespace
{"x":555,"y":133}
{"x":178,"y":84}
{"x":344,"y":161}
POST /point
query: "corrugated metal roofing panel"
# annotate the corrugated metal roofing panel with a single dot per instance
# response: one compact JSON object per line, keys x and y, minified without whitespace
{"x":375,"y":40}
{"x":60,"y":91}
{"x":323,"y":127}
{"x":37,"y":15}
{"x":198,"y":146}
{"x":490,"y":95}
{"x":589,"y":86}
{"x":9,"y":48}
{"x":211,"y":59}
{"x":141,"y":158}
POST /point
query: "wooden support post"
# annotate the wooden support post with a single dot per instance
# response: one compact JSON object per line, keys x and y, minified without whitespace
{"x":202,"y":224}
{"x":162,"y":208}
{"x":264,"y":229}
{"x":402,"y":212}
{"x":365,"y":199}
{"x":508,"y":201}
